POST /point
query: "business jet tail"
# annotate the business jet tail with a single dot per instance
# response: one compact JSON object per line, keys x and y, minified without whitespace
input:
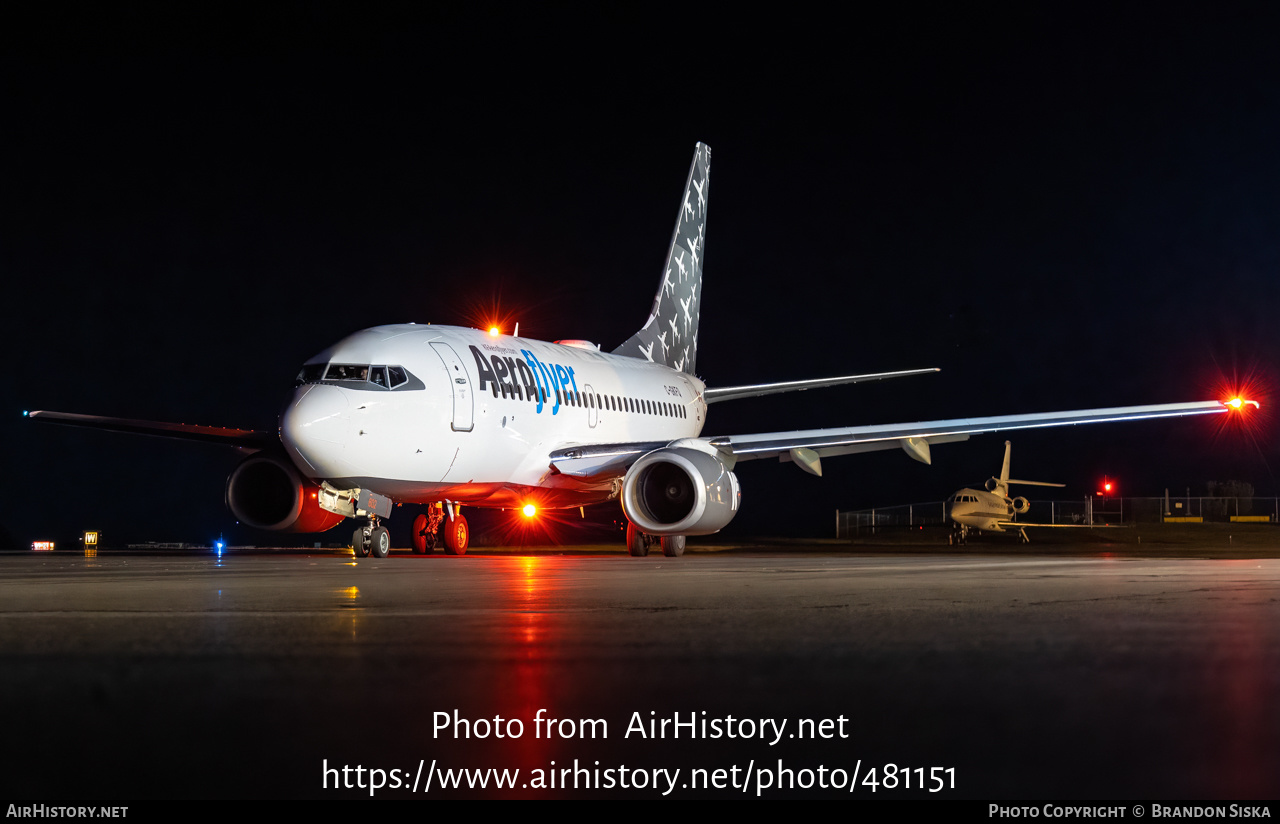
{"x":670,"y":335}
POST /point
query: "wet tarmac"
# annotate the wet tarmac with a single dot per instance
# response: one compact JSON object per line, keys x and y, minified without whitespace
{"x":1016,"y":675}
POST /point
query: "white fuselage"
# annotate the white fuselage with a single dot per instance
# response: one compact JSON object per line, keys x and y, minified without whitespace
{"x":979,"y":509}
{"x":474,"y":416}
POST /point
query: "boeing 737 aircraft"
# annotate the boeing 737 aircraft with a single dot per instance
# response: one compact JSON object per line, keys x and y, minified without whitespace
{"x":445,"y":416}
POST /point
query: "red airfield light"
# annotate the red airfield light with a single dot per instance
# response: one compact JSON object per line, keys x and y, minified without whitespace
{"x":529,"y":510}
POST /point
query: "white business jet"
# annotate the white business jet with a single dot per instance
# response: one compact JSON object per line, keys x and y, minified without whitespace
{"x":991,"y":509}
{"x":444,"y":416}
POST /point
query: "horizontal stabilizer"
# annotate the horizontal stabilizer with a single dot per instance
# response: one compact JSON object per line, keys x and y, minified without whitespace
{"x":729,"y":393}
{"x":1033,"y":483}
{"x":244,"y":438}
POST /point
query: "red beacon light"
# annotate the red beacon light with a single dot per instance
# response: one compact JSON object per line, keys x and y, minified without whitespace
{"x":494,"y":331}
{"x":1240,"y":404}
{"x":529,"y":510}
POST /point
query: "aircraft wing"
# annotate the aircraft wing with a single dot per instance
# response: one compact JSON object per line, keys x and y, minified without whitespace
{"x":914,"y":438}
{"x":807,"y":447}
{"x":729,"y":393}
{"x":243,"y":438}
{"x":1025,"y":524}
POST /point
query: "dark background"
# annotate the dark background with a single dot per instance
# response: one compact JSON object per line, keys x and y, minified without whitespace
{"x":1062,"y":206}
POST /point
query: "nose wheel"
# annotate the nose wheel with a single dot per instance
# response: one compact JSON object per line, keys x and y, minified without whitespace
{"x":371,"y":540}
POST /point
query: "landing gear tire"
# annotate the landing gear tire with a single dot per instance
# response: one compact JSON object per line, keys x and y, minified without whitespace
{"x":358,"y":545}
{"x":673,"y":545}
{"x":424,"y":537}
{"x":379,"y":542}
{"x":457,"y":535}
{"x":637,"y":541}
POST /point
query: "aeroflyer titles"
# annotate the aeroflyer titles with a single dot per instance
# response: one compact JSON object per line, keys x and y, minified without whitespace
{"x":444,"y":416}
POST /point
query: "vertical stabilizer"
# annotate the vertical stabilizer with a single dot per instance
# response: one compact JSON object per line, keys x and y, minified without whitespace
{"x":670,"y":335}
{"x":1004,"y":469}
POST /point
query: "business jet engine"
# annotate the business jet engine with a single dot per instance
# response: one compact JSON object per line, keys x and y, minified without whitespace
{"x":679,"y":491}
{"x":1021,"y":505}
{"x":266,"y":492}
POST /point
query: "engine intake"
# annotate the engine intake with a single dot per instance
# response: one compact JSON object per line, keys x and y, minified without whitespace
{"x":679,"y":491}
{"x":266,"y":492}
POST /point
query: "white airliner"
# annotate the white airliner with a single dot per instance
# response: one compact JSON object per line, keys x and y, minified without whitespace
{"x":444,"y":416}
{"x":991,"y":509}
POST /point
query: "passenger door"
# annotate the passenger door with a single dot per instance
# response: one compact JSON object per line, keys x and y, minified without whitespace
{"x":463,"y":401}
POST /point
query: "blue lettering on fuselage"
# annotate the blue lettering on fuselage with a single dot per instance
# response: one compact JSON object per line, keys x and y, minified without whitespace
{"x":527,"y":378}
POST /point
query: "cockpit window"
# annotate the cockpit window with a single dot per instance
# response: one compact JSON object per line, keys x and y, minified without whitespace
{"x":347,"y":372}
{"x":310,"y":373}
{"x":373,"y":377}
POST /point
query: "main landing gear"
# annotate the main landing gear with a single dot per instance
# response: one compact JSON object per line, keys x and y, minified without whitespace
{"x":425,"y":529}
{"x":428,"y":526}
{"x":638,"y":543}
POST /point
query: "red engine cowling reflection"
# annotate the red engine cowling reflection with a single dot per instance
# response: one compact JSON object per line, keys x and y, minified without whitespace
{"x":268,"y":493}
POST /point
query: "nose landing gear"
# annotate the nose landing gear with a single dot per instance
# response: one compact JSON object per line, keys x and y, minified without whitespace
{"x":371,"y":539}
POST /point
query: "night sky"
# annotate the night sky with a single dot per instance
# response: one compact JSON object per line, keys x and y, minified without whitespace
{"x":1061,"y":206}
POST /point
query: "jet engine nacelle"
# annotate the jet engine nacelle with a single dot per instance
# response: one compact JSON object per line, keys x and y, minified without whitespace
{"x":1021,"y":505}
{"x":267,"y":492}
{"x":991,"y":484}
{"x":679,"y":491}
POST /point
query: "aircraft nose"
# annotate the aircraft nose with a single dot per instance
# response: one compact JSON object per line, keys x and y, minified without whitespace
{"x":315,"y":426}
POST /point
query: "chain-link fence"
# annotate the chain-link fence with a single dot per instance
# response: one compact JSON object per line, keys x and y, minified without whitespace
{"x":1096,"y":510}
